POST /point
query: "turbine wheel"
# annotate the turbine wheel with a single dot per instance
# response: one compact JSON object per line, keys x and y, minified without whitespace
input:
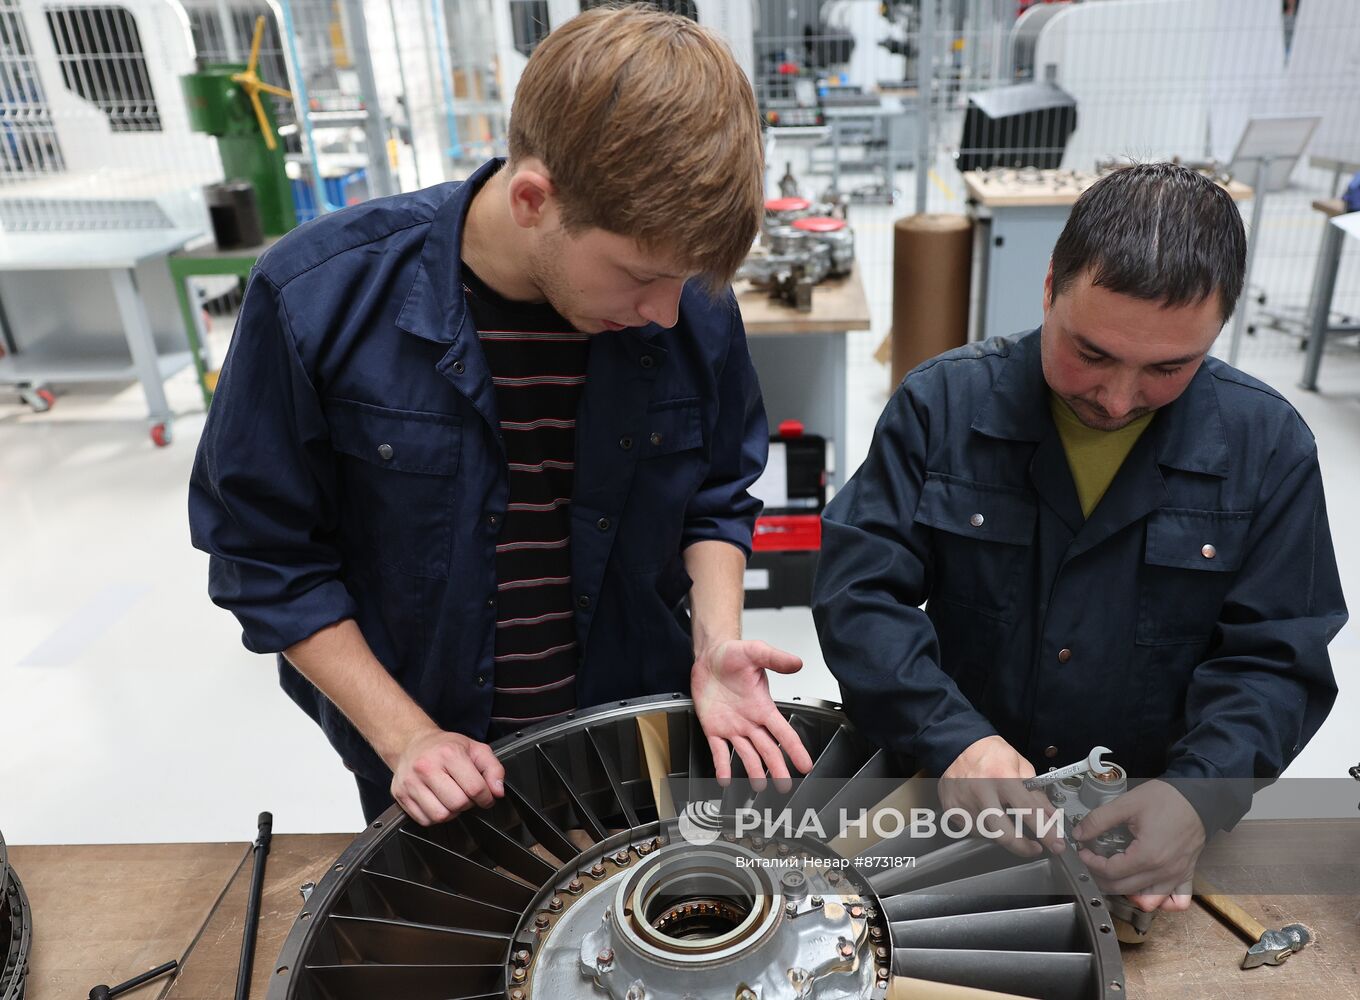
{"x":616,"y":866}
{"x":16,"y":931}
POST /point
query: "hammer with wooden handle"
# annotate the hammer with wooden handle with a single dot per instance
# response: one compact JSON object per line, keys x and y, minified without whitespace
{"x":1268,"y":947}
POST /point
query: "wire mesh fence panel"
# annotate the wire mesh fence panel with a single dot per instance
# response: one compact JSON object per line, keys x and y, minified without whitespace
{"x":29,"y":144}
{"x":94,"y":131}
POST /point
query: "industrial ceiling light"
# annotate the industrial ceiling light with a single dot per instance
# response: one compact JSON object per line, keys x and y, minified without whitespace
{"x":614,"y":867}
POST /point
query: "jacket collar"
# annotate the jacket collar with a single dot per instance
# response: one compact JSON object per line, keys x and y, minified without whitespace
{"x":1187,"y":433}
{"x":435,"y":308}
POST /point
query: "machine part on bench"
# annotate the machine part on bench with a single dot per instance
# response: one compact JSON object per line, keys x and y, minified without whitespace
{"x":801,"y":244}
{"x":612,"y":867}
{"x":16,"y":931}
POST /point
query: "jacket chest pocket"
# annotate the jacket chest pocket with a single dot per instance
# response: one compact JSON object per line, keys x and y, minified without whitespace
{"x":396,"y":472}
{"x":981,"y":543}
{"x":672,"y":426}
{"x":1190,"y":559}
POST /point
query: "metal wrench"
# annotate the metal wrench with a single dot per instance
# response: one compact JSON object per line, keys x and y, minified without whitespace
{"x":1094,"y":763}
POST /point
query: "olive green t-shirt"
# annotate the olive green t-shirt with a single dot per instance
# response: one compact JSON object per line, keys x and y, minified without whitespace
{"x":1094,"y":456}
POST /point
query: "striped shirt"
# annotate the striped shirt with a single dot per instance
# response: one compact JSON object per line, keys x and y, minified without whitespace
{"x":538,"y":365}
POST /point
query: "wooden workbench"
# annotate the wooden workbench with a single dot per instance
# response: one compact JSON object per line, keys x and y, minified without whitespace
{"x":106,"y":913}
{"x":838,"y":304}
{"x":102,"y":914}
{"x":1042,"y":188}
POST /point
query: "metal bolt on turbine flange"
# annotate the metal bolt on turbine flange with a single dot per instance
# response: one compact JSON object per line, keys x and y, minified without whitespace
{"x":555,"y":904}
{"x":622,"y":858}
{"x":575,"y":886}
{"x":519,"y":974}
{"x":791,"y":909}
{"x":605,"y":957}
{"x":541,"y":921}
{"x":597,"y":870}
{"x":816,"y":901}
{"x":845,"y":948}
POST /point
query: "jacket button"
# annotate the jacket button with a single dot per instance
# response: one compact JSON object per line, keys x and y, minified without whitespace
{"x":493,"y":520}
{"x":1050,"y":752}
{"x":602,"y":524}
{"x":458,"y":368}
{"x":490,"y":602}
{"x":976,"y":520}
{"x":583,"y":602}
{"x":647,"y":361}
{"x":1208,"y":552}
{"x":1064,"y":655}
{"x":385,"y":452}
{"x":481,"y":679}
{"x":655,"y":439}
{"x":625,"y":442}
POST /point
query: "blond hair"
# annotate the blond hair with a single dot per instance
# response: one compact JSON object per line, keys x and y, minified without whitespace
{"x":649,"y":129}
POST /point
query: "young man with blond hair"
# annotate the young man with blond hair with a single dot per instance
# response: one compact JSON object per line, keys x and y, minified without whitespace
{"x":475,"y":448}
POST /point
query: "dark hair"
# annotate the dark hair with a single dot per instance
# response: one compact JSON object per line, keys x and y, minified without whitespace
{"x":1155,"y":231}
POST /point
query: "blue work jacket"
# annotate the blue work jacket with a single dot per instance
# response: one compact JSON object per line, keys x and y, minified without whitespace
{"x":1184,"y":624}
{"x":352,"y":467}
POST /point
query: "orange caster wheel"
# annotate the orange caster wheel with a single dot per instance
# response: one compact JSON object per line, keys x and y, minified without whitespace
{"x":40,"y":399}
{"x":160,"y":434}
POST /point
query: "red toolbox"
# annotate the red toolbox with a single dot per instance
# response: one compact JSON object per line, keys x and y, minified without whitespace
{"x":788,"y":534}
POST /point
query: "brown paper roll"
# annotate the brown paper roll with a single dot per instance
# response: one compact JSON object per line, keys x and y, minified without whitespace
{"x":932,"y":262}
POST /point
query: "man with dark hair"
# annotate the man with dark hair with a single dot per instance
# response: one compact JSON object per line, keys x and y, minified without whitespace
{"x":1118,"y":541}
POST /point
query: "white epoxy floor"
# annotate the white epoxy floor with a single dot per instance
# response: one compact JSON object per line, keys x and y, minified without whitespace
{"x":130,"y":712}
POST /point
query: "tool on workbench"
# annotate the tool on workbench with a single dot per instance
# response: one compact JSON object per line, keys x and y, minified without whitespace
{"x":1268,"y":947}
{"x":266,"y":831}
{"x":103,"y":992}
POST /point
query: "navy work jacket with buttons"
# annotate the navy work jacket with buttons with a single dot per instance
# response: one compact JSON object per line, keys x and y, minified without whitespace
{"x":351,"y":467}
{"x":1184,"y":624}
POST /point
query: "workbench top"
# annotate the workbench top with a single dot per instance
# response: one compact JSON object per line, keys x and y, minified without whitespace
{"x":1033,"y":188}
{"x":103,"y":914}
{"x":838,"y":306}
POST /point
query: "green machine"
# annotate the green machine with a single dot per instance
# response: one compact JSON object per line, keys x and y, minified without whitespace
{"x":224,"y":101}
